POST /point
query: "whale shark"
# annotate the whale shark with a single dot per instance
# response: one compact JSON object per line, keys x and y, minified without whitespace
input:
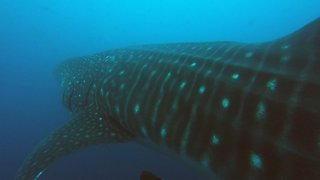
{"x":232,"y":110}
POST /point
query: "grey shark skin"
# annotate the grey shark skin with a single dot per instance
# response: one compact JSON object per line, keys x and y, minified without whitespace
{"x":234,"y":110}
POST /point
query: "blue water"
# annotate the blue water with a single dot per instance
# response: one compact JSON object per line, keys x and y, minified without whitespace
{"x":36,"y":35}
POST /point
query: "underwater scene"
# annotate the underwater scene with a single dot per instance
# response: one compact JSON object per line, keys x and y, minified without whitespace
{"x":159,"y":90}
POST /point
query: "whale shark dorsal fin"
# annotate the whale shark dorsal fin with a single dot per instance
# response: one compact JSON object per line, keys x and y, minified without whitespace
{"x":311,"y":28}
{"x":307,"y":37}
{"x":85,"y":129}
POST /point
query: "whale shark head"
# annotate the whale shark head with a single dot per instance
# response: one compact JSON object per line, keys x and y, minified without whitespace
{"x":234,"y":110}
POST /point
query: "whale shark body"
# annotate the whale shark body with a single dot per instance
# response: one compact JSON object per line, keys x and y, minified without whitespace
{"x":234,"y":110}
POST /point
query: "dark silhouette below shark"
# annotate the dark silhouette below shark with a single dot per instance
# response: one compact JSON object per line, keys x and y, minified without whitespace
{"x":233,"y":110}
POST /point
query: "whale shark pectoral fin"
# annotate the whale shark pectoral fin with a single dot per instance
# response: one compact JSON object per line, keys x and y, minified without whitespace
{"x":146,"y":175}
{"x":83,"y":130}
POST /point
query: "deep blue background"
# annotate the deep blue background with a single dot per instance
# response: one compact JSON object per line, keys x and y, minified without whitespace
{"x":36,"y":35}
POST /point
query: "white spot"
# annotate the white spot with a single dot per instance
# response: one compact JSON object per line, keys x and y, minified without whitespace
{"x":193,"y":64}
{"x":110,"y":58}
{"x":168,"y":76}
{"x":206,"y":161}
{"x":136,"y":108}
{"x":121,"y":72}
{"x":225,"y":103}
{"x":174,"y":106}
{"x":235,"y":76}
{"x":284,"y":59}
{"x":163,"y":132}
{"x":183,"y":85}
{"x":272,"y":84}
{"x":117,"y":108}
{"x":256,"y":161}
{"x":215,"y":139}
{"x":38,"y":175}
{"x":261,"y":111}
{"x":248,"y":54}
{"x":122,"y":86}
{"x":144,"y":131}
{"x":100,"y":133}
{"x":208,"y":72}
{"x":286,"y":46}
{"x":202,"y":89}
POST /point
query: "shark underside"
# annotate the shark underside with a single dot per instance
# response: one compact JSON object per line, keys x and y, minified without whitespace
{"x":234,"y":110}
